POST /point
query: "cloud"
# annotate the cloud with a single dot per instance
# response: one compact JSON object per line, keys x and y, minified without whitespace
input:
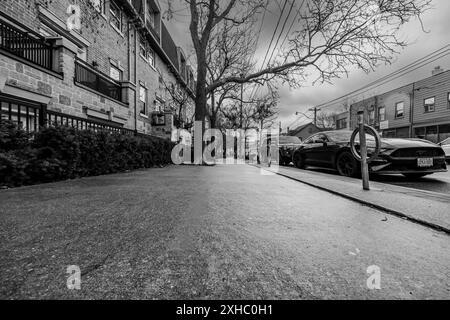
{"x":435,"y":21}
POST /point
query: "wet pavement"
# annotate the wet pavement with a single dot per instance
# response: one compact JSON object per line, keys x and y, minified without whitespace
{"x":224,"y":232}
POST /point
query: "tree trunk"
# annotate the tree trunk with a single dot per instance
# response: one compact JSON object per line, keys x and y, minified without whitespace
{"x":201,"y":96}
{"x":213,"y":115}
{"x":200,"y":107}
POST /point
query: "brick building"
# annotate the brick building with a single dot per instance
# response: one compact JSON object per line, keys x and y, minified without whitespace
{"x":120,"y":70}
{"x":417,"y":110}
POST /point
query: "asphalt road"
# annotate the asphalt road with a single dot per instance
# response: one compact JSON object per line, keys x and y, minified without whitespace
{"x":210,"y":233}
{"x":438,"y":182}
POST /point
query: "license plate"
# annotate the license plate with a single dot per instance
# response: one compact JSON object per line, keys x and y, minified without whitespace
{"x":425,"y":162}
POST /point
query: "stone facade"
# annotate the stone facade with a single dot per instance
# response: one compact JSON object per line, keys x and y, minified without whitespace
{"x":102,"y":48}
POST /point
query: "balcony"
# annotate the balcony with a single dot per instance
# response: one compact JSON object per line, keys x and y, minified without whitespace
{"x":26,"y":45}
{"x":93,"y":79}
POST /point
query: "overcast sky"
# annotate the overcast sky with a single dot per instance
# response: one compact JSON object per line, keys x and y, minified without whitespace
{"x":437,"y":25}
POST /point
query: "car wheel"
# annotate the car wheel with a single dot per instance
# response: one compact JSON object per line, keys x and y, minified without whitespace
{"x":298,"y":161}
{"x":347,"y":165}
{"x":415,"y":175}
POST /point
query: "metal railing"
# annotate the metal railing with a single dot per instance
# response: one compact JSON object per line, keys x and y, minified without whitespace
{"x":31,"y":117}
{"x":97,"y":81}
{"x":54,"y":118}
{"x":26,"y":45}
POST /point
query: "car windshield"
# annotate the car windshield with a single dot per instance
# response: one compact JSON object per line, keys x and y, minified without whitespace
{"x":289,"y":140}
{"x":446,"y":142}
{"x":345,"y":136}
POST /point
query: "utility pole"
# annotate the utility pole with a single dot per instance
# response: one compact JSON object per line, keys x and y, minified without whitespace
{"x":363,"y":150}
{"x":242,"y":97}
{"x":315,"y":109}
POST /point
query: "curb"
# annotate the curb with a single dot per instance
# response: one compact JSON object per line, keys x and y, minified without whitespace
{"x":369,"y":204}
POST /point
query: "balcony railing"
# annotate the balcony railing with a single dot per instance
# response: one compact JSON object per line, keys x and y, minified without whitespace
{"x":97,"y":81}
{"x":26,"y":45}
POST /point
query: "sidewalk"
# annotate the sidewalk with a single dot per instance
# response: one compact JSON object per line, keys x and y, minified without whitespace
{"x":425,"y":207}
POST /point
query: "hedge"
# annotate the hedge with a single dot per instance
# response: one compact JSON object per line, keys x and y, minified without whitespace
{"x":61,"y":153}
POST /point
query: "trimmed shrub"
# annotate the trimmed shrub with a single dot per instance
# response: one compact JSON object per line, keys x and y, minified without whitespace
{"x":60,"y":153}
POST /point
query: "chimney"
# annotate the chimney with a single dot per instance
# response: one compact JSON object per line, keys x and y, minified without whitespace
{"x":437,"y":70}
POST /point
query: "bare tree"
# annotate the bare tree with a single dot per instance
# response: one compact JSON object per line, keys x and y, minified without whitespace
{"x":328,"y":38}
{"x":229,"y":53}
{"x":260,"y":114}
{"x":326,"y":120}
{"x":179,"y":103}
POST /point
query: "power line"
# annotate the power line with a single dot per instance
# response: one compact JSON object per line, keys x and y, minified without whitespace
{"x":262,"y":24}
{"x":274,"y":33}
{"x":396,"y":74}
{"x":282,"y":29}
{"x":270,"y":45}
{"x":293,"y":22}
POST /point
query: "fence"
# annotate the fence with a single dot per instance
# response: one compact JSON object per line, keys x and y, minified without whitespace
{"x":54,"y":118}
{"x":26,"y":45}
{"x":31,"y":117}
{"x":95,"y":80}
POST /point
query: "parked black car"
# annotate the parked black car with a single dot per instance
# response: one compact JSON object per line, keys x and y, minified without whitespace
{"x":413,"y":158}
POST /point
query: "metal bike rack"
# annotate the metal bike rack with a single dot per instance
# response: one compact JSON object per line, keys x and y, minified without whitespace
{"x":362,"y":156}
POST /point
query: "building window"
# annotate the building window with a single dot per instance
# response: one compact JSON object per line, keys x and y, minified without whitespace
{"x":99,"y":5}
{"x":115,"y":16}
{"x":382,"y":114}
{"x":142,"y":100}
{"x":151,"y":17}
{"x":371,"y":117}
{"x":151,"y":56}
{"x":341,"y":124}
{"x":143,"y":48}
{"x":159,"y":106}
{"x":429,"y":104}
{"x":115,"y":73}
{"x":400,"y":110}
{"x":147,"y":52}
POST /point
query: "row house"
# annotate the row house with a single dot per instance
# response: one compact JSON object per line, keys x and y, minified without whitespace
{"x":96,"y":64}
{"x":418,"y":110}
